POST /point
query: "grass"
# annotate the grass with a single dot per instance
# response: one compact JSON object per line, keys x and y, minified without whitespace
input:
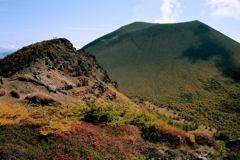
{"x":12,"y":114}
{"x":52,"y":119}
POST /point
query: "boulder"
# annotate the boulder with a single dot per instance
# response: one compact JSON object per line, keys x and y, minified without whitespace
{"x":234,"y":145}
{"x":15,"y":94}
{"x":51,"y":88}
{"x":35,"y":73}
{"x":2,"y":91}
{"x":36,"y":77}
{"x":42,"y":100}
{"x":1,"y":81}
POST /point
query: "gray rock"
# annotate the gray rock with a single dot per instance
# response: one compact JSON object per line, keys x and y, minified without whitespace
{"x":201,"y":158}
{"x":205,"y":155}
{"x":52,"y":88}
{"x":36,"y":77}
{"x":161,"y":151}
{"x":35,"y":73}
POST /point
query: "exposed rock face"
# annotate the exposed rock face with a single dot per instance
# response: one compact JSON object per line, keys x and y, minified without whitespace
{"x":56,"y":54}
{"x":58,"y":71}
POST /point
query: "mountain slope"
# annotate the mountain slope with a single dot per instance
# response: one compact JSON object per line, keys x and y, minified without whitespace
{"x":160,"y":48}
{"x":189,"y":67}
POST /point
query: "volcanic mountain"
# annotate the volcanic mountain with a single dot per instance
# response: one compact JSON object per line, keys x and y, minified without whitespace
{"x":52,"y":73}
{"x":189,"y":67}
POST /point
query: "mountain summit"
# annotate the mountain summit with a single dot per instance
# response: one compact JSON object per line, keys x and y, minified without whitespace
{"x":188,"y":66}
{"x":165,"y":52}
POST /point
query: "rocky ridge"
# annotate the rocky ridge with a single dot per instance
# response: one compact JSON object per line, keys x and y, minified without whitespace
{"x":52,"y":73}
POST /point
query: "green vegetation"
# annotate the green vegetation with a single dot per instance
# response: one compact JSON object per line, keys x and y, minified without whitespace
{"x":187,"y":67}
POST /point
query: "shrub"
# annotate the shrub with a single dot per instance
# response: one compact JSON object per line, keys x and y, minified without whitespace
{"x":222,"y":135}
{"x":159,"y":134}
{"x":82,"y":141}
{"x":203,"y":139}
{"x":171,"y":136}
{"x":101,"y":142}
{"x":12,"y":114}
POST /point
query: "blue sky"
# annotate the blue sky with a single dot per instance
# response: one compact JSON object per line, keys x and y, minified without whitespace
{"x":23,"y":22}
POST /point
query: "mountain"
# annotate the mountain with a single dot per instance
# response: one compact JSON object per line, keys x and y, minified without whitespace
{"x":59,"y":103}
{"x":188,"y":67}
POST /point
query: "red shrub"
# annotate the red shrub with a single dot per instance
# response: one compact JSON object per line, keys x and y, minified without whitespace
{"x":203,"y":139}
{"x":105,"y":141}
{"x":171,"y":136}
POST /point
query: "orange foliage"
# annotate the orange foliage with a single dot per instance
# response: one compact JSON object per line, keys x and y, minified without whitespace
{"x":12,"y":113}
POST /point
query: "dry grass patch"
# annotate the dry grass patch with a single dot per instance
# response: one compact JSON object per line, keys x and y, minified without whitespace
{"x":12,"y":114}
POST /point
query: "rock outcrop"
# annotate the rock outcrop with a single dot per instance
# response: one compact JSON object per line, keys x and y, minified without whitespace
{"x":56,"y":70}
